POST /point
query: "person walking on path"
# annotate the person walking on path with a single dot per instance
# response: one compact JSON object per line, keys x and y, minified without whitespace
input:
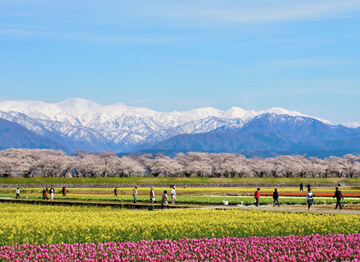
{"x":116,"y":192}
{"x":276,"y":197}
{"x":135,"y":193}
{"x":309,"y":198}
{"x":152,"y":195}
{"x":338,"y":196}
{"x":63,"y":190}
{"x":301,"y":187}
{"x":44,"y":193}
{"x":164,"y":201}
{"x":173,"y":195}
{"x":308,"y":187}
{"x":257,"y":196}
{"x":52,"y":193}
{"x":17,"y":193}
{"x":47,"y":194}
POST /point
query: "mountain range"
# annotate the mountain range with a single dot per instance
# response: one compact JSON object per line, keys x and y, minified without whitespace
{"x":79,"y":124}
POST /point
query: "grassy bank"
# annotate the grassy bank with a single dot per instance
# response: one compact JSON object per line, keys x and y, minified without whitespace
{"x":353,"y":180}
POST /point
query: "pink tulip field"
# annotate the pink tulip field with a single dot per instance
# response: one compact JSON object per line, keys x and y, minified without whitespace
{"x":332,"y":247}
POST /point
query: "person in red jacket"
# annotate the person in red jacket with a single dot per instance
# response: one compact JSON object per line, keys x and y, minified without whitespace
{"x":257,"y":196}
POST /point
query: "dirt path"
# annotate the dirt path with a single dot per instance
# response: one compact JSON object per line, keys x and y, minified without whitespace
{"x":324,"y":209}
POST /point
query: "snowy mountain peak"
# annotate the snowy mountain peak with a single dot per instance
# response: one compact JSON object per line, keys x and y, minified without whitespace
{"x":78,"y":106}
{"x":203,"y":112}
{"x":352,"y":125}
{"x":37,"y":109}
{"x":237,"y":112}
{"x":18,"y":105}
{"x":281,"y":111}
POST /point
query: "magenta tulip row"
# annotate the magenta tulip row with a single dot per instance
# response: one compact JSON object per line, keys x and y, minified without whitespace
{"x":288,"y":248}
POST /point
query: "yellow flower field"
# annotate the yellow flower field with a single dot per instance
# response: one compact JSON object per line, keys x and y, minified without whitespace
{"x":55,"y":224}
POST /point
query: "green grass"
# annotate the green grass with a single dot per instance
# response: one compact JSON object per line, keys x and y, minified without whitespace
{"x":352,"y":181}
{"x":170,"y":180}
{"x":202,"y":200}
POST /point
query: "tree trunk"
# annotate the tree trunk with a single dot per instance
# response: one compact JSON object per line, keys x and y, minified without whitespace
{"x":155,"y":174}
{"x":63,"y":174}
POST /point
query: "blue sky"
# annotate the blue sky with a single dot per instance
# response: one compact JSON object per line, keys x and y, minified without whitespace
{"x":177,"y":55}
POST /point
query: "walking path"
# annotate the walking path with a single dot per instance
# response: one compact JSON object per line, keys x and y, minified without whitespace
{"x":324,"y":209}
{"x":115,"y":204}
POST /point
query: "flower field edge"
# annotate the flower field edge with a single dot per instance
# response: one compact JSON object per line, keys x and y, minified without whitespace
{"x":312,"y":247}
{"x":56,"y":224}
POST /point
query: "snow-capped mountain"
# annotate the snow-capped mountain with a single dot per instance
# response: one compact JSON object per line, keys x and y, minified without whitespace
{"x":81,"y":124}
{"x":269,"y":135}
{"x":117,"y":127}
{"x":353,"y":125}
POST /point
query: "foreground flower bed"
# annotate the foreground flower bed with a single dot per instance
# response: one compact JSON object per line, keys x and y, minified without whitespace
{"x":23,"y":223}
{"x":289,"y":248}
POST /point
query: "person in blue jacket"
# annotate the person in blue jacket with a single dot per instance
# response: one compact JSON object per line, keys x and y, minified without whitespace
{"x":338,"y":196}
{"x":276,"y":197}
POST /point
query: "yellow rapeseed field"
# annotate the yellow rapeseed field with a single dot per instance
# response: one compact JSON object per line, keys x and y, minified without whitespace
{"x":21,"y":223}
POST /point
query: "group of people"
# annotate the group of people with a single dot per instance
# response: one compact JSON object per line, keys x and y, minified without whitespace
{"x":309,"y":197}
{"x":275,"y":197}
{"x":302,"y":186}
{"x":164,"y":199}
{"x":46,"y":193}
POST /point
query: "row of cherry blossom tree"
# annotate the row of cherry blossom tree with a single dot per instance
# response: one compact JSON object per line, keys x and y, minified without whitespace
{"x":50,"y":163}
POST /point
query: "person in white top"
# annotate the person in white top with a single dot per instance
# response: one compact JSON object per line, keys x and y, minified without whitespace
{"x":173,"y":195}
{"x":52,"y":193}
{"x":152,"y":195}
{"x":17,"y":192}
{"x":309,"y":198}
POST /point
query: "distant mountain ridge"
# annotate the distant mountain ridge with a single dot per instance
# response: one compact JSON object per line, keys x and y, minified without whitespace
{"x":270,"y":134}
{"x":13,"y":135}
{"x":79,"y":124}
